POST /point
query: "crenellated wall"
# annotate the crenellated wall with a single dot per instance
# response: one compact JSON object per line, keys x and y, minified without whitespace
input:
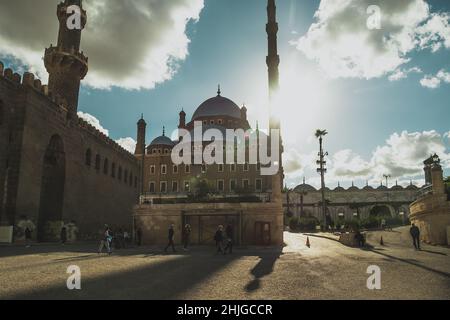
{"x":93,"y":196}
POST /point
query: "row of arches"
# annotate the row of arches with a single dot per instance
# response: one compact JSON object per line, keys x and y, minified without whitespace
{"x":112,"y":169}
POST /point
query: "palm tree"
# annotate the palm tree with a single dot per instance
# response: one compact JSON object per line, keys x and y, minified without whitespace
{"x":321,"y":162}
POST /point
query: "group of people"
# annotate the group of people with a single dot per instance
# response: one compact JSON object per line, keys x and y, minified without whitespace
{"x":223,"y":238}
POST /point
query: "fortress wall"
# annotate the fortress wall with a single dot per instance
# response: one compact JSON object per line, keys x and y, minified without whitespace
{"x":91,"y":197}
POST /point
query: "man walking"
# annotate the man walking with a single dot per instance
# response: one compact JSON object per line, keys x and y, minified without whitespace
{"x":218,"y":237}
{"x":415,"y":233}
{"x":106,"y":241}
{"x":171,"y":236}
{"x":229,"y":239}
{"x":186,"y":237}
{"x":63,"y":235}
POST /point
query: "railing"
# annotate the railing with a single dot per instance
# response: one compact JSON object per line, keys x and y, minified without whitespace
{"x":425,"y":191}
{"x":168,"y":198}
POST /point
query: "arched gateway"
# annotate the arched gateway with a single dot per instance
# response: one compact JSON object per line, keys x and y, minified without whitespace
{"x":52,"y":190}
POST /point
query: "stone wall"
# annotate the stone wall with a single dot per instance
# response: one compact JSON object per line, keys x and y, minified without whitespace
{"x":432,"y":215}
{"x":92,"y":196}
{"x":154,"y":220}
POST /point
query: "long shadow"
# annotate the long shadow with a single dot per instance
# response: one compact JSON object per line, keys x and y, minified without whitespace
{"x":162,"y":280}
{"x":264,"y":268}
{"x":414,"y":263}
{"x":433,"y":252}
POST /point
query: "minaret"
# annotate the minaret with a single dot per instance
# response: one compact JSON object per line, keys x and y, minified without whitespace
{"x":66,"y":65}
{"x":141,"y":130}
{"x":273,"y":59}
{"x":273,"y":62}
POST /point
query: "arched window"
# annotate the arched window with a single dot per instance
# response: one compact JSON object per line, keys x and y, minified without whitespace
{"x":97,"y":162}
{"x":126,"y":176}
{"x":88,"y":160}
{"x":135,"y":182}
{"x":106,"y":166}
{"x":2,"y":113}
{"x":120,"y":173}
{"x":113,"y":170}
{"x":131,"y":179}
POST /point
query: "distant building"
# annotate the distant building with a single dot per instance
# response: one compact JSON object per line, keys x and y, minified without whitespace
{"x":345,"y":204}
{"x":162,"y":178}
{"x":431,"y":211}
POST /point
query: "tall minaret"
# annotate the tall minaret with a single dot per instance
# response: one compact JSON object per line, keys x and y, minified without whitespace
{"x":273,"y":59}
{"x":141,"y":131}
{"x":66,"y":65}
{"x":273,"y":62}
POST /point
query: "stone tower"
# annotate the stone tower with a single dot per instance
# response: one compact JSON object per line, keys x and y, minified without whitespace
{"x":273,"y":59}
{"x":273,"y":62}
{"x":66,"y":65}
{"x":141,"y":131}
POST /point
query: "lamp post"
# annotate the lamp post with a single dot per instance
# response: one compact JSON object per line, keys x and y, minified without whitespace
{"x":386,"y":176}
{"x":322,"y":170}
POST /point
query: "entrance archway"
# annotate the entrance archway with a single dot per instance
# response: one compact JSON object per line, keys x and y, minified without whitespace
{"x":52,"y":191}
{"x":380,"y":211}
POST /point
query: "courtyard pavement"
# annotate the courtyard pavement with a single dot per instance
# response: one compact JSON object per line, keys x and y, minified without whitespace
{"x":327,"y":270}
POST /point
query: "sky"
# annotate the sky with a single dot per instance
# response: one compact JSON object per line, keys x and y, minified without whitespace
{"x":382,"y":93}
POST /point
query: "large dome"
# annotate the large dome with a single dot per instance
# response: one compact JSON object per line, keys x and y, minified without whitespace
{"x":162,"y":140}
{"x":217,"y":106}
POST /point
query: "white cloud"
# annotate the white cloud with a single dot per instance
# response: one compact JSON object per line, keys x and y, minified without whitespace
{"x":433,"y":82}
{"x":400,"y":74}
{"x":130,"y":44}
{"x":344,"y":46}
{"x":401,"y":156}
{"x":93,"y":121}
{"x":128,"y":144}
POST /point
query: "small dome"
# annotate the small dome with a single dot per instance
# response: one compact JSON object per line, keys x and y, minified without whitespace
{"x":353,"y":188}
{"x":397,"y":188}
{"x":339,"y":188}
{"x":368,"y":188}
{"x":412,"y":187}
{"x":305,"y":188}
{"x":162,"y":140}
{"x":217,"y":106}
{"x":382,"y":188}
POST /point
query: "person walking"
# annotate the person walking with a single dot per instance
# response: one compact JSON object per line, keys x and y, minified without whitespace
{"x":415,"y":233}
{"x":63,"y":235}
{"x":186,"y":237}
{"x":218,"y":237}
{"x":139,"y":236}
{"x":229,"y":239}
{"x":28,"y":236}
{"x":126,"y":239}
{"x":106,"y":242}
{"x":170,"y":237}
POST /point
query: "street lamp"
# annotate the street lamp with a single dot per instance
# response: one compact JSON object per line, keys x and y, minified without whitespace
{"x":402,"y":214}
{"x":387,"y":176}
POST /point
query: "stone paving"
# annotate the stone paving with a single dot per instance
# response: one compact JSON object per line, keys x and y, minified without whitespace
{"x":327,"y":270}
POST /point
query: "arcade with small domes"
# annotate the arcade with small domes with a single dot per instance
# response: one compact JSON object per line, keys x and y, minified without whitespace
{"x":346,"y":204}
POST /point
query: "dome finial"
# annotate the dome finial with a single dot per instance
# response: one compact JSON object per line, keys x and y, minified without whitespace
{"x":219,"y":92}
{"x":304,"y":180}
{"x":164,"y":131}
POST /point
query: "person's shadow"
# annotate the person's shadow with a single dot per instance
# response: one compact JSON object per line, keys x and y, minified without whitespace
{"x":264,"y":267}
